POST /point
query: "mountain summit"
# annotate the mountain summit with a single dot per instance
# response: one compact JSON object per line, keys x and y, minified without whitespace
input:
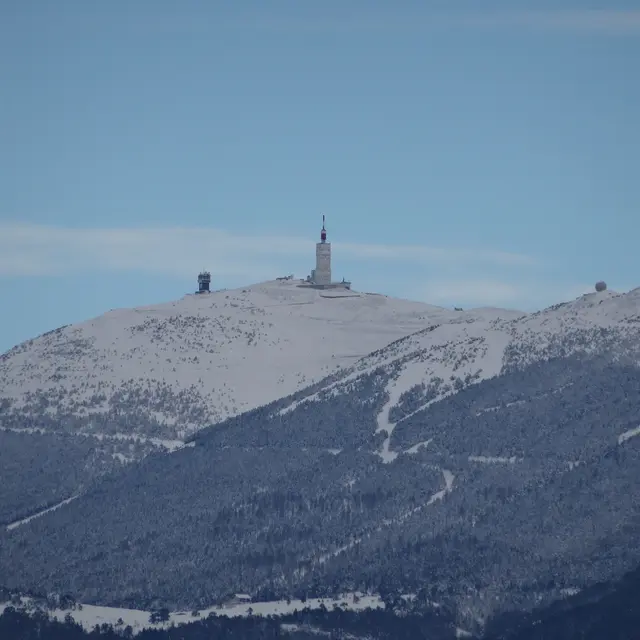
{"x":167,"y":370}
{"x":172,"y":368}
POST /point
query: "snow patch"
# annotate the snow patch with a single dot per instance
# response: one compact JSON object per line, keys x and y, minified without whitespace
{"x":416,"y":447}
{"x":161,"y":443}
{"x":90,"y":615}
{"x":385,"y":425}
{"x":19,"y":523}
{"x":627,"y":435}
{"x":493,"y":459}
{"x":448,"y":487}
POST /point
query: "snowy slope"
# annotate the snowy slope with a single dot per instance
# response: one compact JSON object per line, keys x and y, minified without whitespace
{"x":88,"y":616}
{"x":549,"y":439}
{"x":454,"y":352}
{"x":168,"y":369}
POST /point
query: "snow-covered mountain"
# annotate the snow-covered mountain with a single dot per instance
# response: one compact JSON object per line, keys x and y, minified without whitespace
{"x":170,"y":369}
{"x":110,"y":390}
{"x":488,"y":458}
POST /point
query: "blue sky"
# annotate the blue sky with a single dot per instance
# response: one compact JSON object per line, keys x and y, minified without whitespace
{"x":464,"y":153}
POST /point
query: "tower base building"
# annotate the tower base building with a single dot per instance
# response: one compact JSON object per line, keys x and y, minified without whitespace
{"x":204,"y":282}
{"x":321,"y":276}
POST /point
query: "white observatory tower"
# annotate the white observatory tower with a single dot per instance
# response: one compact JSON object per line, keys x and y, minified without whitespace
{"x":322,"y":272}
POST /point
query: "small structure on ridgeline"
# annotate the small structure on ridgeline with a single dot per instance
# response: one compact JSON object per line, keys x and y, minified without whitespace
{"x":601,"y":286}
{"x":204,"y":282}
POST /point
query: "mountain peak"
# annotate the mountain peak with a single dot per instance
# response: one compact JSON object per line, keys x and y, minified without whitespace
{"x":184,"y":364}
{"x":203,"y":357}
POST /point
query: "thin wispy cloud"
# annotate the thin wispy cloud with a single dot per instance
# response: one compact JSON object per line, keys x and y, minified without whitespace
{"x":459,"y":276}
{"x":35,"y":250}
{"x":472,"y":292}
{"x":423,"y":254}
{"x":603,"y":21}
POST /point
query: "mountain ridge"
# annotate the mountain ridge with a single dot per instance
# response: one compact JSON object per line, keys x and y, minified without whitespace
{"x":187,"y":360}
{"x":188,"y":363}
{"x":482,"y":461}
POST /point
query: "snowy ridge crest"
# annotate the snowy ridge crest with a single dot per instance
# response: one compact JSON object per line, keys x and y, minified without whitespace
{"x":167,"y":370}
{"x":464,"y":349}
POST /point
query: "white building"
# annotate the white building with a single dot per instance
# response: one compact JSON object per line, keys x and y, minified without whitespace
{"x":321,"y":275}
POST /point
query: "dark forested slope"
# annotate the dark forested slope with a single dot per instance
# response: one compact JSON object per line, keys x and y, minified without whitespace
{"x":527,"y":487}
{"x":604,"y":610}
